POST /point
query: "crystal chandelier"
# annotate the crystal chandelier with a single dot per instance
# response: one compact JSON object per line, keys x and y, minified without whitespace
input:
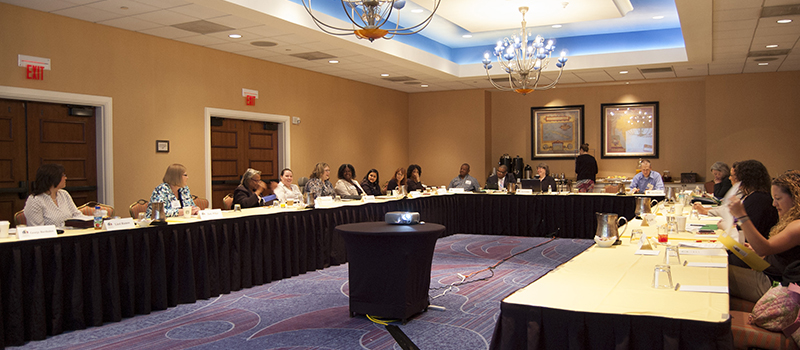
{"x":368,"y":18}
{"x":524,"y":60}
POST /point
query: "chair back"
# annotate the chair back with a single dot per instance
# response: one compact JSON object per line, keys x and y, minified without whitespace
{"x":302,"y":184}
{"x":710,"y":187}
{"x":201,"y":203}
{"x":137,"y":207}
{"x":19,"y":218}
{"x":227,"y":201}
{"x":88,"y":208}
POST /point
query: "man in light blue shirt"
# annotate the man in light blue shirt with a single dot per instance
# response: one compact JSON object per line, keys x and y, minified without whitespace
{"x":647,"y":179}
{"x":465,"y":180}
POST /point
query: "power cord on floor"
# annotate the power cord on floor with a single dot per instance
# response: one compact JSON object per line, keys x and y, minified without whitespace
{"x":490,"y":269}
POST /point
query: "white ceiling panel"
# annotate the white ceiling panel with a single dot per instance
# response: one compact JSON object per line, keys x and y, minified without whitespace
{"x":197,"y":11}
{"x":122,"y":7}
{"x":168,"y":32}
{"x":165,"y":17}
{"x":42,"y":5}
{"x":202,"y":40}
{"x":130,"y":23}
{"x":86,"y":13}
{"x":691,"y":70}
{"x":164,"y":3}
{"x":736,"y":15}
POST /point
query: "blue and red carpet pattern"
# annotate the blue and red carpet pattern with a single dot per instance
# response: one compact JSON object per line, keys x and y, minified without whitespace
{"x":311,"y":311}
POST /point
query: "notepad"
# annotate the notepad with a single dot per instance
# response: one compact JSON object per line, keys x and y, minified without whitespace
{"x":706,"y":264}
{"x":704,"y":289}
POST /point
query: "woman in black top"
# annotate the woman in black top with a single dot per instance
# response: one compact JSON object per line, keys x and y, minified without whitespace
{"x":586,"y":168}
{"x":721,"y":181}
{"x":398,"y":181}
{"x":414,"y":183}
{"x":370,"y":183}
{"x":548,"y":182}
{"x":755,"y":187}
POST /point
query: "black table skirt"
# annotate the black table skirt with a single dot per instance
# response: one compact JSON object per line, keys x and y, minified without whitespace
{"x":50,"y":286}
{"x":530,"y":327}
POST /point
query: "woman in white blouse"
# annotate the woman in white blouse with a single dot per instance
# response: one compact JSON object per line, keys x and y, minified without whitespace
{"x":346,"y":187}
{"x":286,"y":189}
{"x":50,"y":204}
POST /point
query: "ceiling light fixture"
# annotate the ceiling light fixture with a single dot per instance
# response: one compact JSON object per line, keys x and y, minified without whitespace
{"x":333,"y":61}
{"x":658,"y":17}
{"x":524,"y":60}
{"x":234,"y":36}
{"x":763,"y":64}
{"x":424,"y":85}
{"x":784,"y":21}
{"x":772,"y":46}
{"x":384,"y":75}
{"x":368,"y":16}
{"x":623,"y":72}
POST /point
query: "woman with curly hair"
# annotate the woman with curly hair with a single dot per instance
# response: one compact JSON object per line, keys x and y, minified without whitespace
{"x":781,"y":248}
{"x":754,"y":187}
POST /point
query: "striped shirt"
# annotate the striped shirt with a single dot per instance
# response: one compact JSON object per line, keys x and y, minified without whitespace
{"x":41,"y":210}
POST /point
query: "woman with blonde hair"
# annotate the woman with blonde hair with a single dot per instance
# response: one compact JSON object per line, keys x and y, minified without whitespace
{"x":319,"y":183}
{"x":398,"y":181}
{"x":173,"y":192}
{"x":781,"y":248}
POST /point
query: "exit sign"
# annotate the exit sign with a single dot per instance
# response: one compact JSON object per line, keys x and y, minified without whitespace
{"x":34,"y":66}
{"x":34,"y":72}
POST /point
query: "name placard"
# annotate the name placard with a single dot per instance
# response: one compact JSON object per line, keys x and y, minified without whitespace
{"x":415,"y":194}
{"x":118,"y":224}
{"x":369,"y":199}
{"x":456,"y":190}
{"x":209,"y":214}
{"x":36,"y":232}
{"x":524,"y":191}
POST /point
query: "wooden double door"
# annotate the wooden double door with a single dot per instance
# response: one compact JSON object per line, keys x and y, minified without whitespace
{"x":36,"y":133}
{"x":237,"y":145}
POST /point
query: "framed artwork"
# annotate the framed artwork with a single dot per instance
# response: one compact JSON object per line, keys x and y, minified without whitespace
{"x":162,"y":146}
{"x":629,"y":130}
{"x":556,"y":132}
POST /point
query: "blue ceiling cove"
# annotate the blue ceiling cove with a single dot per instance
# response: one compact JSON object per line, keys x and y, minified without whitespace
{"x":636,"y":31}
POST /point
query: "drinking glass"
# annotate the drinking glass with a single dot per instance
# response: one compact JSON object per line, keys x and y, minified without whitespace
{"x":662,"y":277}
{"x":636,"y":235}
{"x":663,"y":234}
{"x":237,"y":207}
{"x":669,"y":252}
{"x":290,"y":202}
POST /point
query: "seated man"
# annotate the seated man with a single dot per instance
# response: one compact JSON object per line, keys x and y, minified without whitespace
{"x":465,"y":180}
{"x":647,"y":179}
{"x":501,"y":179}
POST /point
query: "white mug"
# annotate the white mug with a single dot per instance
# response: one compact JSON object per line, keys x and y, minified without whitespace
{"x":187,"y":212}
{"x":4,"y":225}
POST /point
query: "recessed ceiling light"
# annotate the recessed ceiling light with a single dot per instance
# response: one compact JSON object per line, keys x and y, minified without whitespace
{"x":333,"y":61}
{"x":234,"y":36}
{"x":424,"y":85}
{"x":763,"y":64}
{"x":385,"y":75}
{"x":416,"y":11}
{"x":557,"y":26}
{"x":623,"y":72}
{"x":466,"y":36}
{"x":627,"y":82}
{"x":784,"y":21}
{"x":658,"y":17}
{"x":772,"y":46}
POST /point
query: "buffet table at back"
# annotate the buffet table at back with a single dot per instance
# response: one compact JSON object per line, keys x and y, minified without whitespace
{"x":84,"y":278}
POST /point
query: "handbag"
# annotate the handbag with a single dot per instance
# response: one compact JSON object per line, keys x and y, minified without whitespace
{"x":778,"y":310}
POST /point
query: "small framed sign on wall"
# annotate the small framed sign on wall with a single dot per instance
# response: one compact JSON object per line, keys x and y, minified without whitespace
{"x":162,"y":146}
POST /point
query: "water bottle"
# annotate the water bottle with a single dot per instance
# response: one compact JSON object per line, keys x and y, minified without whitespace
{"x":98,"y":218}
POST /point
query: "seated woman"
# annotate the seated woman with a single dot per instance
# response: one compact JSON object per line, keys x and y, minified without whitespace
{"x":318,"y":183}
{"x":398,"y":182}
{"x":414,"y":183}
{"x":722,"y":183}
{"x":722,"y":209}
{"x":781,"y":247}
{"x":286,"y":190}
{"x":346,"y":187}
{"x":250,"y":190}
{"x":174,"y":192}
{"x":547,"y":181}
{"x":754,"y":188}
{"x":50,"y":204}
{"x":370,"y":184}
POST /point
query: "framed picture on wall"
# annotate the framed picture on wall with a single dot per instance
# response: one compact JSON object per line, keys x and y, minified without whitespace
{"x":629,"y":130}
{"x":556,"y":132}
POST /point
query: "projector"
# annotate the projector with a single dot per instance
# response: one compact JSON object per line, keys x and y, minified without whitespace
{"x":402,"y":218}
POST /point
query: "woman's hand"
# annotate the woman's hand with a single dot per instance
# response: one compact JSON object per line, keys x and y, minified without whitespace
{"x":700,"y":208}
{"x":195,"y":210}
{"x":261,"y":188}
{"x":737,"y":208}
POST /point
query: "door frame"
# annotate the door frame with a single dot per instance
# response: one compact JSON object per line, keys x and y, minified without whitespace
{"x":284,"y":139}
{"x":104,"y":134}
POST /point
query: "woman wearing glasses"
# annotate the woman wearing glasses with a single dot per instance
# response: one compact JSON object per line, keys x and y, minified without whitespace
{"x":50,"y":204}
{"x":174,"y":192}
{"x":248,"y":193}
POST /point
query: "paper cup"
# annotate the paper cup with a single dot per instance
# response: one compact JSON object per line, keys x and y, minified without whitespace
{"x":4,"y":225}
{"x":681,"y":223}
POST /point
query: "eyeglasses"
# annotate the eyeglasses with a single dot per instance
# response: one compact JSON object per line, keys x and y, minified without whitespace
{"x":187,"y":175}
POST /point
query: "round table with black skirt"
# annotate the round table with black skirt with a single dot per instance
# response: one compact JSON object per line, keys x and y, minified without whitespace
{"x":389,"y":267}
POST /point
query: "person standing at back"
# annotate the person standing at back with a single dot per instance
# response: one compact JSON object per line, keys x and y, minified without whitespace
{"x":586,"y":168}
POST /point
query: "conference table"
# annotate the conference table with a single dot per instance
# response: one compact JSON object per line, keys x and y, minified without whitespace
{"x":604,"y":299}
{"x":84,"y":278}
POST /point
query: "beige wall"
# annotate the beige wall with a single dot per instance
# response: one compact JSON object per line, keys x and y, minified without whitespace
{"x":161,"y":87}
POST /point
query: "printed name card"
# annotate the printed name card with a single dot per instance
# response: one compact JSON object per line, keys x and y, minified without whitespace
{"x":415,"y":194}
{"x":369,"y":199}
{"x":36,"y":232}
{"x":524,"y":191}
{"x":456,"y":190}
{"x":209,"y":214}
{"x":118,"y":224}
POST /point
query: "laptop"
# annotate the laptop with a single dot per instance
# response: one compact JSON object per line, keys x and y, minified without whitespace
{"x":533,"y":184}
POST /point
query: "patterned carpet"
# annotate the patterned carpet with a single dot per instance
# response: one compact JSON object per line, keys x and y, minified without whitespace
{"x":311,"y":311}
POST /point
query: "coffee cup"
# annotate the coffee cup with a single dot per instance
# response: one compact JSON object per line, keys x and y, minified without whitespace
{"x":681,"y":223}
{"x":4,"y":225}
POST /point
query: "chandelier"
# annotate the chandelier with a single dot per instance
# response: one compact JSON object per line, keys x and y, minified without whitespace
{"x":524,"y":60}
{"x":369,"y":16}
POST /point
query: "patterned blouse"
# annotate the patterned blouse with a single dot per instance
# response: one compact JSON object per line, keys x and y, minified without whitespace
{"x":41,"y":210}
{"x":319,"y":188}
{"x":163,"y":193}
